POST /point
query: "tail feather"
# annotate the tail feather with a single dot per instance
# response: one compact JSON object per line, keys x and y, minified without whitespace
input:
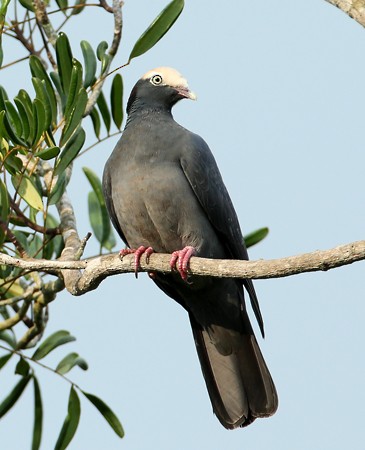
{"x":239,"y":384}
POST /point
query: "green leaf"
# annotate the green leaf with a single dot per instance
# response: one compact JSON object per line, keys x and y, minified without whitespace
{"x":99,"y":217}
{"x":10,"y":400}
{"x":58,"y":243}
{"x":5,"y":271}
{"x":64,"y":61}
{"x":95,"y":118}
{"x":110,"y":242}
{"x":8,"y":337}
{"x":13,"y":117}
{"x":4,"y":209}
{"x":48,"y":248}
{"x":102,"y":55}
{"x":35,"y":246}
{"x":38,"y":71}
{"x":101,"y":49}
{"x":27,"y":190}
{"x":41,"y":94}
{"x":106,"y":412}
{"x":95,"y":217}
{"x":117,"y":100}
{"x":3,"y":133}
{"x":22,"y":238}
{"x":58,"y":189}
{"x":71,"y":150}
{"x":38,"y":416}
{"x":1,"y":51}
{"x":95,"y":184}
{"x":26,"y":101}
{"x":55,"y":340}
{"x":74,"y":118}
{"x":22,"y":367}
{"x":24,"y":119}
{"x":158,"y":28}
{"x":11,"y":124}
{"x":27,"y":4}
{"x":49,"y":139}
{"x":70,"y":361}
{"x":256,"y":236}
{"x":90,"y":63}
{"x":12,"y":163}
{"x":71,"y":422}
{"x":76,"y":10}
{"x":39,"y":114}
{"x":48,"y":153}
{"x":62,"y":4}
{"x":57,"y":82}
{"x":75,"y":86}
{"x":5,"y":315}
{"x":4,"y":359}
{"x":103,"y":108}
{"x":3,"y":97}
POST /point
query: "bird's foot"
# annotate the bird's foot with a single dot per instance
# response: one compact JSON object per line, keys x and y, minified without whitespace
{"x":182,"y":258}
{"x":138,"y":252}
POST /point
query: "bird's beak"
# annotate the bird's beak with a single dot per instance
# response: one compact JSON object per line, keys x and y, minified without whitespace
{"x":187,"y":93}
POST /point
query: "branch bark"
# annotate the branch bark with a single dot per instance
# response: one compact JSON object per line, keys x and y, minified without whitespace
{"x":89,"y":273}
{"x":353,"y":8}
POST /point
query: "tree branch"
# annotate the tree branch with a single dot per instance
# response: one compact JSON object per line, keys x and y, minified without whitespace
{"x":117,"y":36}
{"x":89,"y":273}
{"x":353,"y":8}
{"x":43,"y":20}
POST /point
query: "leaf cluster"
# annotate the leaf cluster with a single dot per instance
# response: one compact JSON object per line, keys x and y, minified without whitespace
{"x":25,"y":369}
{"x":43,"y":130}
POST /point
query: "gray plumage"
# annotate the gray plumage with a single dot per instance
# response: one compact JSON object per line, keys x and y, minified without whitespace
{"x":163,"y":189}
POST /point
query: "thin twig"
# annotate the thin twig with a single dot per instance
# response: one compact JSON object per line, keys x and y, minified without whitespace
{"x":34,"y":226}
{"x":13,"y":320}
{"x":46,"y":47}
{"x":118,"y":27}
{"x":12,"y":63}
{"x":38,"y":363}
{"x":20,"y":36}
{"x":98,"y":142}
{"x":104,"y":5}
{"x":12,"y":238}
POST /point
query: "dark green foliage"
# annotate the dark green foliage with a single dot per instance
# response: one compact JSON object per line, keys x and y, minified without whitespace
{"x":256,"y":236}
{"x":158,"y":28}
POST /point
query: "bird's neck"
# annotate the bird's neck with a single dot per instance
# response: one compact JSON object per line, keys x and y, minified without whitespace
{"x":139,"y":111}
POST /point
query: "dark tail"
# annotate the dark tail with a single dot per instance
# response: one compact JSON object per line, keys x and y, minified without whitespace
{"x":239,"y":385}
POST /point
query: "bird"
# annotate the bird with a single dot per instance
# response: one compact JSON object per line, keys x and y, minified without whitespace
{"x":164,"y":193}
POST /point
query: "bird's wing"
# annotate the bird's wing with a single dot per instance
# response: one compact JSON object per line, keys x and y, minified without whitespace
{"x":108,"y":195}
{"x":201,"y":170}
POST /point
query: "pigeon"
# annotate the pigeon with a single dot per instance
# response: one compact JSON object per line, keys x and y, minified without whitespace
{"x":164,"y":193}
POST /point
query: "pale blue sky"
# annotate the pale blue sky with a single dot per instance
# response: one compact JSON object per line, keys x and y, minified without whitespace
{"x":281,"y":104}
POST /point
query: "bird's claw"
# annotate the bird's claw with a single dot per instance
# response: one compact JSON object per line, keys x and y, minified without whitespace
{"x":182,"y":258}
{"x":138,"y":252}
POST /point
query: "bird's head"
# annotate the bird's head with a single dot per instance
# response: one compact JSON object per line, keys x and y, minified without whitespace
{"x":160,"y":88}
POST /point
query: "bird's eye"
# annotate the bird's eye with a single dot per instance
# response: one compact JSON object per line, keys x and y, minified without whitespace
{"x":156,"y":80}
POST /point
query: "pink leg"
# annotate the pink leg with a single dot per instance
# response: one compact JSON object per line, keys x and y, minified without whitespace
{"x":182,"y":257}
{"x":138,"y":252}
